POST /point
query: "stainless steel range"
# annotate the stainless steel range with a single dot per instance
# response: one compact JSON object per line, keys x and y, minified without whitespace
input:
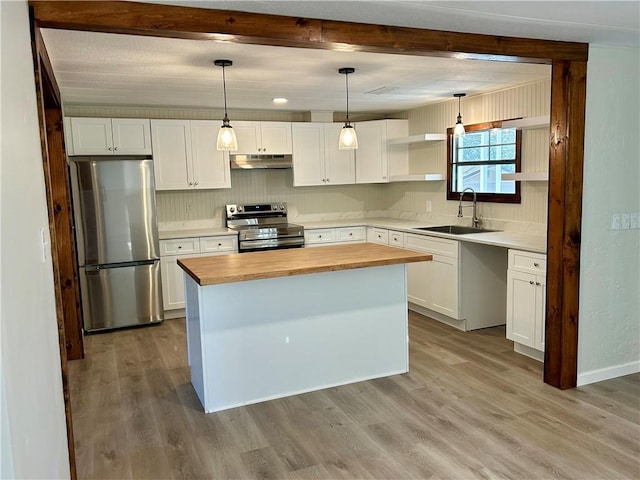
{"x":263,"y":226}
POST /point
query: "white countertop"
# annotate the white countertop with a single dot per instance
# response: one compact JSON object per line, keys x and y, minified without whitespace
{"x":506,"y":239}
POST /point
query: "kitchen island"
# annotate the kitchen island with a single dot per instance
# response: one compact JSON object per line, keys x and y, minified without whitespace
{"x":265,"y":325}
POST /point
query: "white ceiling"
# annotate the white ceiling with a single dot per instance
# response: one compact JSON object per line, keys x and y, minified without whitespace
{"x":110,"y":69}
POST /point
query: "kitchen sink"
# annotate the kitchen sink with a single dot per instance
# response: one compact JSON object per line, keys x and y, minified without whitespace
{"x":455,"y":229}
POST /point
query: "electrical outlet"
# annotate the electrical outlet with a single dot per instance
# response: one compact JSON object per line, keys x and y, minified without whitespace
{"x":429,"y":206}
{"x":633,"y":220}
{"x":624,"y":221}
{"x":616,"y":222}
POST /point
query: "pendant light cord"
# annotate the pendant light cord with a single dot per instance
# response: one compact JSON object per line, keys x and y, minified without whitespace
{"x":346,"y":81}
{"x":224,"y":87}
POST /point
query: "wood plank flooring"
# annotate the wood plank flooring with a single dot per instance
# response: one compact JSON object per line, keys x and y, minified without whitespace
{"x":469,"y":408}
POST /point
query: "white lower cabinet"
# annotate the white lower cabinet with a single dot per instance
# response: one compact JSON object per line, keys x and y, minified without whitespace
{"x":316,"y":237}
{"x":173,"y":249}
{"x":464,"y":285}
{"x":526,"y":298}
{"x":434,"y":284}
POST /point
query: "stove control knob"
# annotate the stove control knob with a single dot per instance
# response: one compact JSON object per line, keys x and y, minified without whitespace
{"x":274,"y":207}
{"x":239,"y":208}
{"x":232,"y":209}
{"x":282,"y":206}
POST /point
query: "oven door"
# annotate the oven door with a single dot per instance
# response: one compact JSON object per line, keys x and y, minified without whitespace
{"x":270,"y":244}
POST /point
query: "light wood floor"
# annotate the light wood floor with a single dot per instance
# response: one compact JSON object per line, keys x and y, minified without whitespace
{"x":469,"y":408}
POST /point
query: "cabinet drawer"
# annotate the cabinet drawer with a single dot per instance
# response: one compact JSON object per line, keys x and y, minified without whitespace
{"x":351,"y":234}
{"x":424,"y":243}
{"x":378,"y":235}
{"x":222,"y":243}
{"x":319,"y":235}
{"x":396,"y":239}
{"x":179,"y":246}
{"x":528,"y":262}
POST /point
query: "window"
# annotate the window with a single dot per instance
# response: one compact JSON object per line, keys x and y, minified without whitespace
{"x":478,"y":160}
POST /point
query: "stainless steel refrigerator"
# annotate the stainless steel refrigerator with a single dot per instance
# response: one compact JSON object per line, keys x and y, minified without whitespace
{"x":117,"y":241}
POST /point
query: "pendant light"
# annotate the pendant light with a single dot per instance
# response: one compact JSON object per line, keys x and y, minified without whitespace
{"x":458,"y":131}
{"x":348,"y":138}
{"x":226,"y":136}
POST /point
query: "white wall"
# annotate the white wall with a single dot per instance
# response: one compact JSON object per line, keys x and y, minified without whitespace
{"x":33,"y":418}
{"x":609,"y":322}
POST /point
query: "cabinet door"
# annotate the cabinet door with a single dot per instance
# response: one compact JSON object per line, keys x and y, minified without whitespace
{"x":172,"y":154}
{"x":91,"y":136}
{"x":276,"y":138}
{"x":340,"y":165}
{"x":172,"y":282}
{"x":521,"y":307}
{"x":541,"y":308}
{"x":419,"y":278}
{"x":131,"y":136}
{"x":248,"y":135}
{"x":371,"y":155}
{"x":210,"y":166}
{"x":444,"y":285}
{"x":308,"y":154}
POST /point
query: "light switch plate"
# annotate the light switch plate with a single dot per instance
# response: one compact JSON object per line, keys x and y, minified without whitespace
{"x":624,"y":221}
{"x":633,"y":220}
{"x":616,"y":222}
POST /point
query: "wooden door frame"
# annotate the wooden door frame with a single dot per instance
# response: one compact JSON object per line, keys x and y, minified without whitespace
{"x":568,"y":94}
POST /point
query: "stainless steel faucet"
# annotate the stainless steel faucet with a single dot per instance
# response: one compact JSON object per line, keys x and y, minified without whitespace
{"x":474,"y":219}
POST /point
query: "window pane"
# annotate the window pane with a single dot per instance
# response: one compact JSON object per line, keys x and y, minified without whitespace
{"x":484,"y":178}
{"x":477,"y":154}
{"x":474,"y":139}
{"x":503,"y":152}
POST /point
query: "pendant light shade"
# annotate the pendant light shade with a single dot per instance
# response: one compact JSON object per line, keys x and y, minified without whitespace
{"x":458,"y":130}
{"x":348,"y":138}
{"x":226,"y":136}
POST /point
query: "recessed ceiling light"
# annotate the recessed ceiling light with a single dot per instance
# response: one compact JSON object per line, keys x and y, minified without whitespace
{"x":280,"y":100}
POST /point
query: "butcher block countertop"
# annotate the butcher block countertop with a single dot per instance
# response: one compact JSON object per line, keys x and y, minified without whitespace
{"x":242,"y":267}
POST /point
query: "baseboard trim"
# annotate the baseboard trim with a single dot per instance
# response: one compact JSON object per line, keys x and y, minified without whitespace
{"x":452,"y":322}
{"x":608,"y":373}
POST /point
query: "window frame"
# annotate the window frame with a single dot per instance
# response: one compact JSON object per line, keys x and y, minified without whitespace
{"x":483,"y":197}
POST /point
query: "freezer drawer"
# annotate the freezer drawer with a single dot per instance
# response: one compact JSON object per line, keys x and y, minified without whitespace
{"x":121,"y":296}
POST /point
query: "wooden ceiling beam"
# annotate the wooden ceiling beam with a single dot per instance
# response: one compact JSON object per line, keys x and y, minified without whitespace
{"x":242,"y":27}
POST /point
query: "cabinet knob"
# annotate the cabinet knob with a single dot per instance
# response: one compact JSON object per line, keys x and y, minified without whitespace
{"x":115,"y":148}
{"x":351,"y":234}
{"x":327,"y":180}
{"x":538,"y":283}
{"x":536,"y":264}
{"x":319,"y":236}
{"x":190,"y":184}
{"x":109,"y":148}
{"x":531,"y":282}
{"x":219,"y":244}
{"x":196,"y":183}
{"x":179,"y":247}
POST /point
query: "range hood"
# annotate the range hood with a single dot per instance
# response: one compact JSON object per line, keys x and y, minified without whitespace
{"x":260,"y":161}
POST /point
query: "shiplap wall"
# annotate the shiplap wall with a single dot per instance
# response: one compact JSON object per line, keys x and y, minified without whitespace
{"x":530,"y":100}
{"x":357,"y":200}
{"x":266,"y":186}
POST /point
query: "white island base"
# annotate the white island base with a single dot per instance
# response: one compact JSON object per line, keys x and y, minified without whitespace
{"x":258,"y":340}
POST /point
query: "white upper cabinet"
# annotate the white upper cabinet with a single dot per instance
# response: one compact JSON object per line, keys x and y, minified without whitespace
{"x":110,"y":136}
{"x":266,"y":138}
{"x":316,"y":157}
{"x":211,"y":167}
{"x":376,"y":158}
{"x":185,"y":155}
